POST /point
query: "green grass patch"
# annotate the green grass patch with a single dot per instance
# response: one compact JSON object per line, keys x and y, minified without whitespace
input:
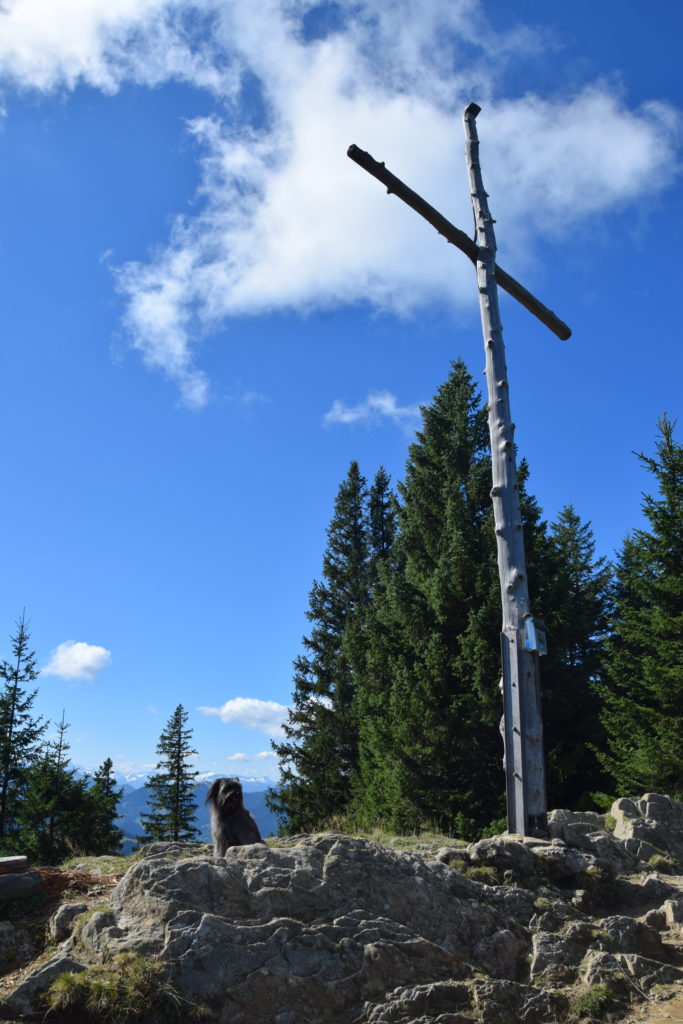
{"x":662,"y":864}
{"x":112,"y":864}
{"x":132,"y":988}
{"x":379,"y":833}
{"x":487,"y":876}
{"x":594,"y":1002}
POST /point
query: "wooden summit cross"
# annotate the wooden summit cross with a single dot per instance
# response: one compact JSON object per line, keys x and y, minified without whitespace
{"x":522,"y":637}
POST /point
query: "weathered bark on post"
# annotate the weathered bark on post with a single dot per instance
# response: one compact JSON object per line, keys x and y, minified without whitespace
{"x":524,"y":761}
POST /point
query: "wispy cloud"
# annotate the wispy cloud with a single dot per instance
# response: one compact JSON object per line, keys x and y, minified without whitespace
{"x":379,"y":406}
{"x":264,"y":755}
{"x":265,"y":715}
{"x":283,"y":220}
{"x":246,"y":397}
{"x":77,"y":660}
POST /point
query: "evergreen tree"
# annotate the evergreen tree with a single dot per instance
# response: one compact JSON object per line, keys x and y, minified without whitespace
{"x":382,"y":510}
{"x":643,"y":701}
{"x":20,"y":730}
{"x":367,"y":646}
{"x":571,"y":588}
{"x":54,"y":818}
{"x":319,"y":752}
{"x":103,"y":796}
{"x":173,"y":807}
{"x":430,"y":746}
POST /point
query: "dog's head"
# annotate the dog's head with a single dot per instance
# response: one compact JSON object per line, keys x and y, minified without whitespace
{"x":225,"y":795}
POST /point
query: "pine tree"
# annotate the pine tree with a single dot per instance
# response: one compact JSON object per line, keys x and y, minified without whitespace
{"x":103,"y":796}
{"x":643,"y":700}
{"x":431,"y":750}
{"x":571,"y":589}
{"x":367,"y":650}
{"x":54,"y":818}
{"x":20,"y":730}
{"x":173,"y":807}
{"x":319,"y":753}
{"x":382,"y":510}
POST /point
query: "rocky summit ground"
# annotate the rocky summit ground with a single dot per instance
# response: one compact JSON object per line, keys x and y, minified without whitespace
{"x":333,"y":929}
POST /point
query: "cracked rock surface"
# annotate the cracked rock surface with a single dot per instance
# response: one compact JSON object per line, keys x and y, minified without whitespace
{"x":330,"y":929}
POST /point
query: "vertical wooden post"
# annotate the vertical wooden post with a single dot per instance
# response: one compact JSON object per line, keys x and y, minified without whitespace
{"x":523,"y":733}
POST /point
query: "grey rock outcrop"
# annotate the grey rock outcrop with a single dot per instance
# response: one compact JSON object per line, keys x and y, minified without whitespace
{"x":25,"y":999}
{"x":60,"y":924}
{"x":329,"y":929}
{"x":13,"y":886}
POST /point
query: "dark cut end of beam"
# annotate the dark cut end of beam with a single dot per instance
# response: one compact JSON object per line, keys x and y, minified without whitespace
{"x":473,"y":109}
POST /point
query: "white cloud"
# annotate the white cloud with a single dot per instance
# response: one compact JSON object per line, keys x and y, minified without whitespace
{"x":284,"y":219}
{"x":264,"y":755}
{"x":46,"y":45}
{"x":77,"y":660}
{"x":263,"y":765}
{"x":378,"y":406}
{"x":264,"y":715}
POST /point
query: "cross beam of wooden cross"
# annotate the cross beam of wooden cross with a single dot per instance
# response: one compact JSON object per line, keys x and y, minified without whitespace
{"x":521,"y":636}
{"x":458,"y":238}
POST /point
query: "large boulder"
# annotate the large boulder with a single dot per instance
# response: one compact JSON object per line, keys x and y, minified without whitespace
{"x":329,"y":929}
{"x":323,"y":931}
{"x":650,"y":826}
{"x":12,"y":886}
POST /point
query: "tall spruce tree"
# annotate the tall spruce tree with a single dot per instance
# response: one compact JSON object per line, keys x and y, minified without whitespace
{"x":367,"y":645}
{"x":104,"y":836}
{"x":578,"y":617}
{"x":571,"y":590}
{"x":54,"y":818}
{"x":643,"y":700}
{"x":319,"y":753}
{"x":21,"y":731}
{"x":430,"y":745}
{"x":172,"y":802}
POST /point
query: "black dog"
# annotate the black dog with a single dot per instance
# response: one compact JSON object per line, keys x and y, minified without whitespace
{"x":231,"y":823}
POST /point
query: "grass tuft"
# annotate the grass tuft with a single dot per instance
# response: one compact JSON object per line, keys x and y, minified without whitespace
{"x":662,"y":864}
{"x":594,"y":1002}
{"x":133,"y":988}
{"x":485,"y":875}
{"x":111,"y":864}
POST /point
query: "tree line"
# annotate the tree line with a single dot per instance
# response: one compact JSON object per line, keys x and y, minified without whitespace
{"x":48,"y":809}
{"x":395,"y":716}
{"x":396,"y":706}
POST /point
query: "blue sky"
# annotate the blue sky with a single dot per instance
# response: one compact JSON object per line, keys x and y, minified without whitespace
{"x":208,"y":311}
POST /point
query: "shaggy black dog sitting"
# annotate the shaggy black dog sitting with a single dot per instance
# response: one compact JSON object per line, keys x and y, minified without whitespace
{"x":231,"y":823}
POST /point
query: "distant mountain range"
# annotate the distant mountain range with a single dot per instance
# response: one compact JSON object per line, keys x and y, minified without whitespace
{"x":134,"y":802}
{"x":136,"y":780}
